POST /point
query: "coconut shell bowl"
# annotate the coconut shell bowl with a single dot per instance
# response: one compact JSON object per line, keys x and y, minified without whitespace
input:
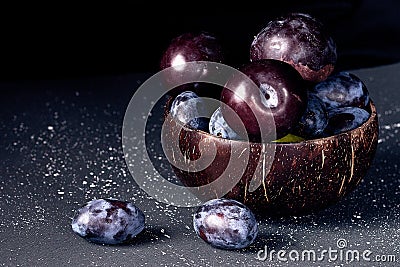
{"x":273,"y":178}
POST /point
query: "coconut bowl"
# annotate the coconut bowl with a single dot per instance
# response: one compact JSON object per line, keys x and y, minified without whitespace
{"x":273,"y":178}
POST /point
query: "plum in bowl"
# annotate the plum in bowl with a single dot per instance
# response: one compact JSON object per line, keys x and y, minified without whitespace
{"x":296,"y":178}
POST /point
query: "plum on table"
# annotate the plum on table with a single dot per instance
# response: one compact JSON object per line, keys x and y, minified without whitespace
{"x":225,"y":224}
{"x":108,"y":221}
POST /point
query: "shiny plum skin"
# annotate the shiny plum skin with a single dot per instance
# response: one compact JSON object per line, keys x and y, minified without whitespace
{"x":345,"y":119}
{"x":189,"y":47}
{"x":108,"y":221}
{"x":219,"y":127}
{"x":314,"y":120}
{"x":187,"y":107}
{"x":300,"y":40}
{"x":225,"y":224}
{"x":277,"y":104}
{"x":343,"y":89}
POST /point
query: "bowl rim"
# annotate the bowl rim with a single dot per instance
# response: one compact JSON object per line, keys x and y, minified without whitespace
{"x":371,"y":118}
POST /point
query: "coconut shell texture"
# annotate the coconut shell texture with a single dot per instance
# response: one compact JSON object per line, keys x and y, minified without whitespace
{"x":303,"y":177}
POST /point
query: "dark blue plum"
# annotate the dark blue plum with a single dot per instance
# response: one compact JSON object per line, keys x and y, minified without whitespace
{"x":200,"y":123}
{"x":219,"y":127}
{"x":345,"y":119}
{"x":343,"y":89}
{"x":225,"y":224}
{"x":108,"y":221}
{"x":190,"y":47}
{"x":314,"y":120}
{"x":187,"y":107}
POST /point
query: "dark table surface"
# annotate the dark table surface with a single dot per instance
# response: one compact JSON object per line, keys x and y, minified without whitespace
{"x":60,"y":146}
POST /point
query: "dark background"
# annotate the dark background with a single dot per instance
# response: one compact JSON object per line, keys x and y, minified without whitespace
{"x":63,"y":41}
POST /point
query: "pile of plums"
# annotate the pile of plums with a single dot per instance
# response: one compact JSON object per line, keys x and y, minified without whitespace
{"x":299,"y":96}
{"x":291,"y":94}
